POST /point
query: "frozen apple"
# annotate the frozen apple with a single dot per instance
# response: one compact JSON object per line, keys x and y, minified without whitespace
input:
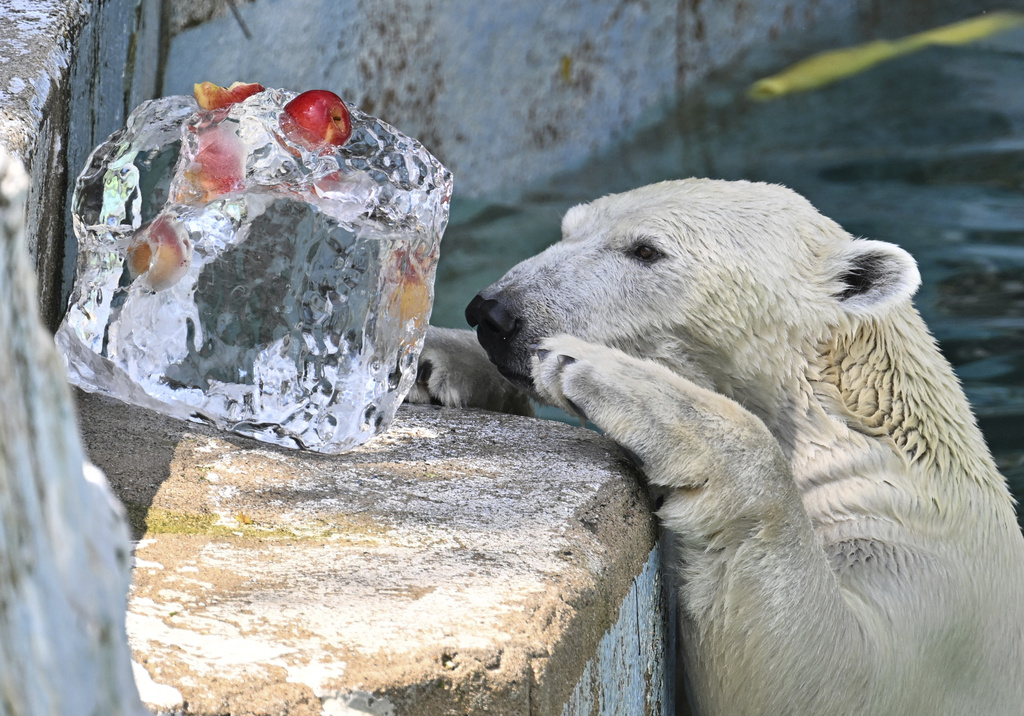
{"x":413,"y":297}
{"x":414,"y":302}
{"x":211,"y":96}
{"x":316,"y":118}
{"x":217,"y":168}
{"x":160,"y":253}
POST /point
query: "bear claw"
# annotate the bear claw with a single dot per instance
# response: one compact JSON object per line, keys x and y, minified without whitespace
{"x":579,"y":412}
{"x":630,"y":455}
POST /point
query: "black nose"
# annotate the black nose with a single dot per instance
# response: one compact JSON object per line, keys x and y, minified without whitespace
{"x":491,"y":316}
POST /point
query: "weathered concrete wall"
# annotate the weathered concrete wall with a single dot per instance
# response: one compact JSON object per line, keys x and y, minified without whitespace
{"x":68,"y":71}
{"x":63,"y":542}
{"x":505,"y":98}
{"x":635,"y":650}
{"x":465,"y":562}
{"x":36,"y":44}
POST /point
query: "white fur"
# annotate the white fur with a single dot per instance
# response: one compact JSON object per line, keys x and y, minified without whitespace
{"x":845,"y":543}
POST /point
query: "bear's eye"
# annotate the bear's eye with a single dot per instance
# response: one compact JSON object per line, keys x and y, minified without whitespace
{"x":646,"y":253}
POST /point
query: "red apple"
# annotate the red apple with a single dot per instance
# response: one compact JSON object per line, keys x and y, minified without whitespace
{"x":315,"y":118}
{"x":211,"y":96}
{"x":160,"y":252}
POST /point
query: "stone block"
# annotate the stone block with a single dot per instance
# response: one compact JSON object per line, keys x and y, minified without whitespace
{"x":464,"y":562}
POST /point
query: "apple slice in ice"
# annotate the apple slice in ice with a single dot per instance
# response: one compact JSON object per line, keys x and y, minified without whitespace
{"x":160,"y":253}
{"x":211,"y":96}
{"x":217,"y":168}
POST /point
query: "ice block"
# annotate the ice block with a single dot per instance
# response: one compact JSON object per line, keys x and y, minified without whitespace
{"x":234,"y":271}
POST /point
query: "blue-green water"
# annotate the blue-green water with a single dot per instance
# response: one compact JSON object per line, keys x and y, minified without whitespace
{"x":926,"y":151}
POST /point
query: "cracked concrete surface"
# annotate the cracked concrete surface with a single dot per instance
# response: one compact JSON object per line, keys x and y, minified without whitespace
{"x":436,"y":569}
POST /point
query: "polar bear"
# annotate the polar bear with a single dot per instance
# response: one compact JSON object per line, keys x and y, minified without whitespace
{"x":844,"y":542}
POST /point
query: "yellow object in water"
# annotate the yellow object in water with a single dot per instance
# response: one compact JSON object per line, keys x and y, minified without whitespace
{"x":827,"y":67}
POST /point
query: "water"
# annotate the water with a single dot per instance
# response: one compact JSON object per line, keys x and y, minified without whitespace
{"x":926,"y":151}
{"x":232,"y":273}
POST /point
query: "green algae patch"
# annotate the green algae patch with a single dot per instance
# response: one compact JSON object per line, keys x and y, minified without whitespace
{"x":169,"y":522}
{"x":145,"y":520}
{"x":156,"y":521}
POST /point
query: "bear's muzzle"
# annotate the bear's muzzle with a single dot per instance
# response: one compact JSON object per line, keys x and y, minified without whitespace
{"x":501,"y":333}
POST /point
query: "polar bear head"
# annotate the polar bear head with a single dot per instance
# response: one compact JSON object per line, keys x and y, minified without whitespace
{"x":734,"y":285}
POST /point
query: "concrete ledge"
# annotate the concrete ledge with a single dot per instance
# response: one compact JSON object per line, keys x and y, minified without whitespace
{"x":464,"y":562}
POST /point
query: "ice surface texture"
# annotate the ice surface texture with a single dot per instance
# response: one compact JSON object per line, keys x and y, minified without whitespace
{"x":230,"y":275}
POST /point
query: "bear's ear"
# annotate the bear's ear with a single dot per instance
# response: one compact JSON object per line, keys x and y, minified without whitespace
{"x":873,"y":276}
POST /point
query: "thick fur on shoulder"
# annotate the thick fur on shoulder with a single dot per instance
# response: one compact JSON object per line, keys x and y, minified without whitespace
{"x":845,"y":542}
